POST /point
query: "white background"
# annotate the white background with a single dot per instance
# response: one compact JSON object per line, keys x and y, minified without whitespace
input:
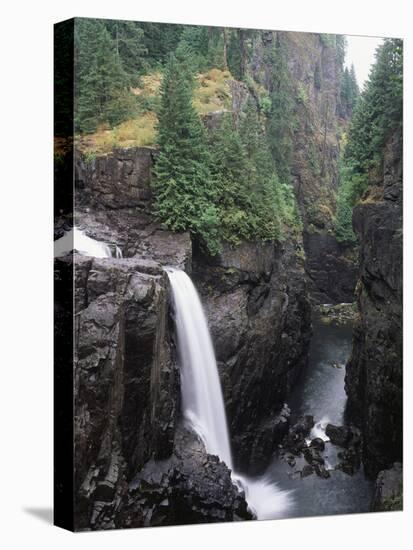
{"x":26,"y":272}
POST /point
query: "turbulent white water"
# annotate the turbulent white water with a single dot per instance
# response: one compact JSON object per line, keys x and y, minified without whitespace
{"x":202,"y":399}
{"x":319,"y":429}
{"x":75,"y":239}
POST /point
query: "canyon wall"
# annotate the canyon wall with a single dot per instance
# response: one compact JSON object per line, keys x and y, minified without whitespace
{"x":314,"y":64}
{"x":255,"y":296}
{"x":374,"y":373}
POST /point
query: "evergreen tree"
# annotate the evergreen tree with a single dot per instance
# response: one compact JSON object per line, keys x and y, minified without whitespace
{"x":193,"y":48}
{"x":101,"y":85}
{"x":377,"y":114}
{"x":349,"y":91}
{"x":379,"y":111}
{"x":281,"y":119}
{"x":273,"y":200}
{"x":160,"y":39}
{"x":128,"y":38}
{"x":234,"y":54}
{"x":184,"y":191}
{"x":238,"y":219}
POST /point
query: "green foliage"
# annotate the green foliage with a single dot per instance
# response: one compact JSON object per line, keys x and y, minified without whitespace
{"x":317,"y":76}
{"x":378,"y":113}
{"x":101,"y":84}
{"x":341,"y":46}
{"x":281,"y":118}
{"x":230,"y":171}
{"x":352,"y":186}
{"x":349,"y":91}
{"x":160,"y":39}
{"x":328,"y":40}
{"x":184,"y":192}
{"x":302,"y":95}
{"x":128,"y":40}
{"x":192,"y":48}
{"x":234,"y":54}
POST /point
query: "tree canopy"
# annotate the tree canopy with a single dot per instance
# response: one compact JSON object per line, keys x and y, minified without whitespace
{"x":377,"y":114}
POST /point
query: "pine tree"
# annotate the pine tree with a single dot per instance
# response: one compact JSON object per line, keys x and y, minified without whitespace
{"x":377,"y":114}
{"x":128,"y":39}
{"x":281,"y":119}
{"x":234,"y":54}
{"x":160,"y":40}
{"x":184,"y":192}
{"x":101,"y":85}
{"x":349,"y":91}
{"x":193,"y":48}
{"x":273,"y":201}
{"x":232,"y":177}
{"x":379,"y":110}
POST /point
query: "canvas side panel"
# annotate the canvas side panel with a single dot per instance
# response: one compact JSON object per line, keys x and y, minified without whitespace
{"x":63,"y":276}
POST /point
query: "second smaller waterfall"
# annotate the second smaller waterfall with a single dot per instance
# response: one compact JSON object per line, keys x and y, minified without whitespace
{"x":75,"y":239}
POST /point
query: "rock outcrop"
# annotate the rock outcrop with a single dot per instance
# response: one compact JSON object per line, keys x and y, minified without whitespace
{"x":133,"y":465}
{"x":374,"y":372}
{"x":113,"y":202}
{"x":388,"y":495}
{"x":190,"y":487}
{"x":126,"y":400}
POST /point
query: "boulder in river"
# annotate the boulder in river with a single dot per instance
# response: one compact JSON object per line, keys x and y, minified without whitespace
{"x":321,"y":471}
{"x":312,"y":456}
{"x":318,"y":444}
{"x":339,"y":435}
{"x":295,"y":440}
{"x":307,"y":470}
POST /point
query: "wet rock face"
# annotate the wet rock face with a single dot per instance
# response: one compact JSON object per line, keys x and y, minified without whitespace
{"x":126,"y":395}
{"x":388,"y":495}
{"x":133,"y":466}
{"x":120,"y":179}
{"x":190,"y":487}
{"x":331,"y":268}
{"x":259,"y":316}
{"x":374,"y":372}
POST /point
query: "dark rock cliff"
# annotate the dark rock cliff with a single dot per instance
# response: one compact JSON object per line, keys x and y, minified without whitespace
{"x":374,"y":372}
{"x":259,"y":314}
{"x":126,"y":381}
{"x":255,"y":296}
{"x":135,"y":465}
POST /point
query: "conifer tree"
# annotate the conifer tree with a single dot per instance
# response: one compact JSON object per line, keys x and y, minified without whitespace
{"x":378,"y":113}
{"x":101,"y":84}
{"x":128,"y":39}
{"x":184,"y":192}
{"x":232,"y":177}
{"x":281,"y":119}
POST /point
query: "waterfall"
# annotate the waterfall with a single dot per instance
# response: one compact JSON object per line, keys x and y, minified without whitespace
{"x":202,"y":398}
{"x":75,"y":239}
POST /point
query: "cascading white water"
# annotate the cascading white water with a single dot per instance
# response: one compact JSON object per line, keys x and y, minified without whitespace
{"x":202,"y":399}
{"x":75,"y":239}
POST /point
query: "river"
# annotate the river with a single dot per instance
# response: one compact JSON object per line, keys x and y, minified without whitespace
{"x":320,"y":392}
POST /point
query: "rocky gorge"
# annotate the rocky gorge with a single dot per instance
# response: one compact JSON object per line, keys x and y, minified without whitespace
{"x":256,"y":300}
{"x":136,"y":460}
{"x":374,"y":378}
